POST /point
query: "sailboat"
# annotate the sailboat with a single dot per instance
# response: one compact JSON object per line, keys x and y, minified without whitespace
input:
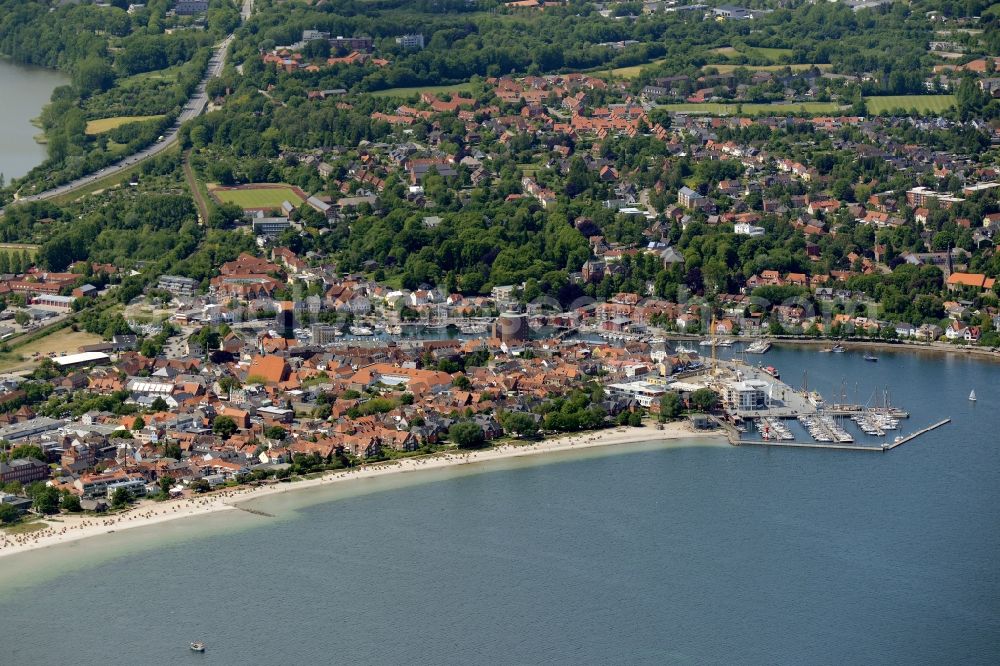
{"x":972,"y":395}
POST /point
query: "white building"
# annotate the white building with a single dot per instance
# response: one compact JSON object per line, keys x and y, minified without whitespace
{"x":642,"y":392}
{"x":135,"y":486}
{"x":750,"y":230}
{"x":747,"y":395}
{"x":415,"y":41}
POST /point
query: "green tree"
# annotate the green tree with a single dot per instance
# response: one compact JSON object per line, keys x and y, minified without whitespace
{"x":93,"y":75}
{"x":121,"y":498}
{"x":225,"y":215}
{"x":8,"y":514}
{"x":46,"y":500}
{"x":71,"y":503}
{"x":704,"y":399}
{"x":224,"y":426}
{"x":28,"y":451}
{"x":671,"y":406}
{"x":969,"y":98}
{"x":520,"y":423}
{"x":138,"y":423}
{"x":165,"y":483}
{"x":208,"y":337}
{"x":467,"y":435}
{"x":275,"y":432}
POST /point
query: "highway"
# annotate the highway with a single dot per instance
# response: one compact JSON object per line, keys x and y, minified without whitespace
{"x":194,"y":107}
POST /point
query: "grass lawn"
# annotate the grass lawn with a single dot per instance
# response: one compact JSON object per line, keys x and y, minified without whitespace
{"x":721,"y":109}
{"x":922,"y":103}
{"x":64,"y":340}
{"x":416,"y":90}
{"x":107,"y":124}
{"x":264,"y":195}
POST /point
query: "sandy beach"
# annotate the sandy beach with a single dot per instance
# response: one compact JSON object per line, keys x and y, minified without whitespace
{"x":66,"y":528}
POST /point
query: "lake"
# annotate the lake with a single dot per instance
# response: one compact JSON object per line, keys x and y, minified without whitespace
{"x":697,"y":554}
{"x":31,"y":88}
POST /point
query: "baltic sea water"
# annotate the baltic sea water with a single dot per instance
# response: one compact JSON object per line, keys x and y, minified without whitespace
{"x":700,"y":554}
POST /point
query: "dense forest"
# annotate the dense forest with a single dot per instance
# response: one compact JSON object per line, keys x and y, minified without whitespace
{"x":120,"y":63}
{"x":468,"y":41}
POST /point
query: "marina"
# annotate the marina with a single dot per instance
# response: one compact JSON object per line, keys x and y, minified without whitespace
{"x":760,"y":409}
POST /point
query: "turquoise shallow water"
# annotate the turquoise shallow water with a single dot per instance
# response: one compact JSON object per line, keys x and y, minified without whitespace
{"x":692,"y":555}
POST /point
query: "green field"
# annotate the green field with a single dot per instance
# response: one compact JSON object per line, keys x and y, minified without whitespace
{"x":634,"y":71}
{"x":104,"y":183}
{"x":922,"y":103}
{"x":630,"y":72}
{"x":765,"y":53}
{"x":166,"y":74}
{"x":8,"y":248}
{"x":417,"y":90}
{"x":271,"y":196}
{"x":726,"y":68}
{"x":769,"y":53}
{"x":103,"y":125}
{"x":722,"y":109}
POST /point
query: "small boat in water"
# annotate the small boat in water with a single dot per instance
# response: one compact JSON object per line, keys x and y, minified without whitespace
{"x":870,"y":357}
{"x":972,"y":395}
{"x":198,"y":646}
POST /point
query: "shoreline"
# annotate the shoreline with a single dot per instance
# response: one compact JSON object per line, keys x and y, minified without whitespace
{"x":942,"y":348}
{"x":69,"y":528}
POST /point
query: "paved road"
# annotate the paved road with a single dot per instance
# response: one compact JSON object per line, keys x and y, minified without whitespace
{"x":194,"y":107}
